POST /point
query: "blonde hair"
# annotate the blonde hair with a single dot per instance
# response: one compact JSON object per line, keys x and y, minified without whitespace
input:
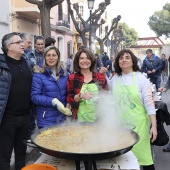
{"x":59,"y":66}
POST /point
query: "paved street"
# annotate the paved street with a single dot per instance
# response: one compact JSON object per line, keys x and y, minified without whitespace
{"x":162,"y":159}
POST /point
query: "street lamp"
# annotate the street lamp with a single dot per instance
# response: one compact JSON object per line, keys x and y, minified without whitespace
{"x":90,"y":6}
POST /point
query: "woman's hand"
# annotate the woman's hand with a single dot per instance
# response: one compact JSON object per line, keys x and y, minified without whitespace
{"x":153,"y":133}
{"x":87,"y":95}
{"x":162,"y":89}
{"x":103,"y":70}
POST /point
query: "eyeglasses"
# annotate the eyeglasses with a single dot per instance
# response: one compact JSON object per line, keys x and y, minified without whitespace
{"x":18,"y":42}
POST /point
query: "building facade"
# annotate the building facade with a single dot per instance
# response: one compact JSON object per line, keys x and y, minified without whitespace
{"x":5,"y":18}
{"x":25,"y":17}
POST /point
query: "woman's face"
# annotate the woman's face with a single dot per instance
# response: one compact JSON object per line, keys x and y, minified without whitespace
{"x":40,"y":45}
{"x":51,"y":58}
{"x":84,"y":62}
{"x":125,"y":61}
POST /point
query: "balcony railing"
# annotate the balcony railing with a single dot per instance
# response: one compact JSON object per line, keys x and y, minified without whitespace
{"x":63,"y":21}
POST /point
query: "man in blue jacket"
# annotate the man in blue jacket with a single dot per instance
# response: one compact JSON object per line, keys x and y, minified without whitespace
{"x":110,"y":70}
{"x":15,"y":103}
{"x":152,"y":65}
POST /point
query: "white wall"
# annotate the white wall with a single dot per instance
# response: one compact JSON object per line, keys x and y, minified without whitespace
{"x":166,"y":50}
{"x":4,"y":19}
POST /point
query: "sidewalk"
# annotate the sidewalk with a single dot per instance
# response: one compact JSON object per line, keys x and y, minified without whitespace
{"x":32,"y":155}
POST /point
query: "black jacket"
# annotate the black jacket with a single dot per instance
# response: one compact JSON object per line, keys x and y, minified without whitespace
{"x":162,"y":114}
{"x":5,"y":82}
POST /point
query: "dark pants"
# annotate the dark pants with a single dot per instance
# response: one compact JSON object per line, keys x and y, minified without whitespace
{"x":32,"y":124}
{"x":149,"y":167}
{"x":13,"y":130}
{"x":156,"y":81}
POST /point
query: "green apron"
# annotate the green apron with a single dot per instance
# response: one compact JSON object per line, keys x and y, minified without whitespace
{"x":129,"y":106}
{"x":87,"y":109}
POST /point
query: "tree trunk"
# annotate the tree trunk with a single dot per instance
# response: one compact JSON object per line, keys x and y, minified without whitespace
{"x":45,"y":20}
{"x":84,"y":39}
{"x":101,"y":46}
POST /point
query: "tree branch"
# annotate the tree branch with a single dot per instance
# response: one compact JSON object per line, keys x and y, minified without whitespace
{"x":53,"y":3}
{"x":36,"y":2}
{"x":72,"y":16}
{"x":76,"y":8}
{"x":113,"y":26}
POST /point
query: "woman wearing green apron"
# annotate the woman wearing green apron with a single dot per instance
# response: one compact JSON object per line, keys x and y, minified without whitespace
{"x":133,"y":100}
{"x":83,"y":86}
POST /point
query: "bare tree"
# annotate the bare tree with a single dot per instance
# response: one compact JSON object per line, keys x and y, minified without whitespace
{"x":45,"y":7}
{"x":116,"y":38}
{"x":107,"y":32}
{"x":96,"y":17}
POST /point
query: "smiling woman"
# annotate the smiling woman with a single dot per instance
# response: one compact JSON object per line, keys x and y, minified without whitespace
{"x":48,"y":90}
{"x":134,"y":104}
{"x":84,"y":86}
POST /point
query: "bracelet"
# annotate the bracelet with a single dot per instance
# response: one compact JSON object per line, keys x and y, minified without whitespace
{"x":80,"y":95}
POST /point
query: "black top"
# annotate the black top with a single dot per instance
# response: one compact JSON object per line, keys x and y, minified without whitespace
{"x":19,"y":99}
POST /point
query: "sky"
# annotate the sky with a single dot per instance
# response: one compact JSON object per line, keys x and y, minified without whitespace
{"x":136,"y":13}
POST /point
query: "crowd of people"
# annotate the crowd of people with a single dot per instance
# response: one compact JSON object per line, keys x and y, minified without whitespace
{"x":37,"y":91}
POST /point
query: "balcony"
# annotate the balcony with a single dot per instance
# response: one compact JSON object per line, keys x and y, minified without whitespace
{"x":25,"y":9}
{"x":29,"y":12}
{"x":63,"y":23}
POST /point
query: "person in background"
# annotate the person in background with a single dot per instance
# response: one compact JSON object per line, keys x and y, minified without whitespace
{"x":164,"y":89}
{"x":37,"y":54}
{"x":164,"y":67}
{"x":15,"y":103}
{"x":133,"y":102}
{"x":98,"y":62}
{"x":104,"y":59}
{"x":169,"y":64}
{"x":101,"y":55}
{"x":83,"y":86}
{"x":152,"y":65}
{"x":27,"y":43}
{"x":49,"y":42}
{"x":110,"y":70}
{"x":48,"y":90}
{"x":69,"y":63}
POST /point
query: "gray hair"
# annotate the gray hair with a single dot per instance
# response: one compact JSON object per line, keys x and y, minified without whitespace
{"x":24,"y":35}
{"x":6,"y":40}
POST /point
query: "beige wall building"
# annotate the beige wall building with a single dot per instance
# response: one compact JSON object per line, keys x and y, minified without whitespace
{"x":25,"y":17}
{"x":4,"y":18}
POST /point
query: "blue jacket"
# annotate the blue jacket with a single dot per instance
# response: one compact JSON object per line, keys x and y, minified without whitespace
{"x":149,"y":65}
{"x":109,"y":62}
{"x":44,"y":89}
{"x":32,"y":57}
{"x":5,"y":83}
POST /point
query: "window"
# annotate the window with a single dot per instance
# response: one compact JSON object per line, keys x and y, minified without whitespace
{"x":81,"y":11}
{"x":68,"y":49}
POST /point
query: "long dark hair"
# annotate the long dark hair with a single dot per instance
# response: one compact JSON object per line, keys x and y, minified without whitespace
{"x":135,"y":66}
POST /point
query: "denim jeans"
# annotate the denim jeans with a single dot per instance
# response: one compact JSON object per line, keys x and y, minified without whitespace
{"x":156,"y":81}
{"x":13,"y":130}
